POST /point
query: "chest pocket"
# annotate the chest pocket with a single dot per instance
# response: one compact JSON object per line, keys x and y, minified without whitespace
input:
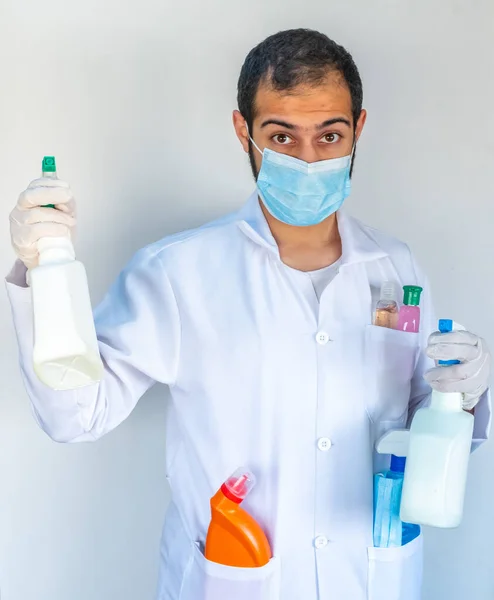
{"x":390,"y":358}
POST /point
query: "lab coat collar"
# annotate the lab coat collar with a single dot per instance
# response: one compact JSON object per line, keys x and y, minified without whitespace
{"x":357,"y":244}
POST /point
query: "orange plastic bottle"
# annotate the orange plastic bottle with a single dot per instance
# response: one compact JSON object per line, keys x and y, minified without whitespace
{"x":234,"y":538}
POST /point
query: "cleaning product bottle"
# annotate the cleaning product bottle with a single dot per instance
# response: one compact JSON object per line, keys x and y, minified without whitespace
{"x":389,"y":530}
{"x":65,"y":354}
{"x":409,"y":317}
{"x":234,"y":538}
{"x":437,"y":460}
{"x":387,"y":308}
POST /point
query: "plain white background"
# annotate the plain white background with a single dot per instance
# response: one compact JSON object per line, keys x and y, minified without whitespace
{"x":134,"y":99}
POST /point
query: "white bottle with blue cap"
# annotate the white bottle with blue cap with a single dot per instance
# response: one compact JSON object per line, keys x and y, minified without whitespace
{"x":437,"y":458}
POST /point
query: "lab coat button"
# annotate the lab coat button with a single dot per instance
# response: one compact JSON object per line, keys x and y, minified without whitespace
{"x":322,"y":338}
{"x":324,"y":444}
{"x":320,"y":542}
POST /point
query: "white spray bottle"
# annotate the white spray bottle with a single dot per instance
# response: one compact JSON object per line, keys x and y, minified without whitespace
{"x":437,"y":459}
{"x":65,"y":354}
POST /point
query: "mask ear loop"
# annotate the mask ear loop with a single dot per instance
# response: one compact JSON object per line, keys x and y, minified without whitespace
{"x":251,"y":139}
{"x":354,"y":150}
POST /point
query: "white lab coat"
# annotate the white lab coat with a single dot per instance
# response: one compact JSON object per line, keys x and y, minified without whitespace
{"x":261,"y":375}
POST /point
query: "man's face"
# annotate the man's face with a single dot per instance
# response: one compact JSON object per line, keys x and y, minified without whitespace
{"x":310,"y":123}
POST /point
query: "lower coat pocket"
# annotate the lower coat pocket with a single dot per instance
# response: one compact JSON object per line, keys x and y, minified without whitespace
{"x":396,"y":573}
{"x":205,"y":580}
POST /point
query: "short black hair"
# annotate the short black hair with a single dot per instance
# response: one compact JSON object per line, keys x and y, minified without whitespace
{"x":295,"y":57}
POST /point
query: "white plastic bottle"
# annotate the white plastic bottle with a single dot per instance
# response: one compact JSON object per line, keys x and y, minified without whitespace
{"x":65,"y":354}
{"x":437,"y":462}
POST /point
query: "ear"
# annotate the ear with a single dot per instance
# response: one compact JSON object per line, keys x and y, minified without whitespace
{"x":360,"y":124}
{"x":241,"y":129}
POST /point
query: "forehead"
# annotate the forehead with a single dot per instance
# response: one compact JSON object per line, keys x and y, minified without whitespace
{"x":305,"y":103}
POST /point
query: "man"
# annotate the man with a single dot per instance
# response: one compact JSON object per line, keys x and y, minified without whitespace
{"x":261,"y":325}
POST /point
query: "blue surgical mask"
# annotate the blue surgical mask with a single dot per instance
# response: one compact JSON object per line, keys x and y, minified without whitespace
{"x":300,"y":193}
{"x":388,"y":528}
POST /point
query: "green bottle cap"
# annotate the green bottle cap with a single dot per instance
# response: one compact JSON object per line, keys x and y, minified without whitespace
{"x":412,"y":295}
{"x":49,"y":165}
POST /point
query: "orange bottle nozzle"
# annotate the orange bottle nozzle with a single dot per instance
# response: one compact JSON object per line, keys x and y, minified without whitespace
{"x":238,"y":485}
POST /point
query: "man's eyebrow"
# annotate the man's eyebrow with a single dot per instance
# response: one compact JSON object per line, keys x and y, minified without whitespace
{"x":280,"y":123}
{"x":330,"y":122}
{"x":287,"y":125}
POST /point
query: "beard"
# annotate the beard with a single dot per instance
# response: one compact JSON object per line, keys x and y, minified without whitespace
{"x":252,"y":161}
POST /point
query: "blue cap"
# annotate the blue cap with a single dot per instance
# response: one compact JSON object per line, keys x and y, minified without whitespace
{"x":398,"y":463}
{"x":446,"y":326}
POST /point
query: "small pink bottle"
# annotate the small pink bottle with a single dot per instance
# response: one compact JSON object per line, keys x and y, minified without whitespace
{"x":409,"y":318}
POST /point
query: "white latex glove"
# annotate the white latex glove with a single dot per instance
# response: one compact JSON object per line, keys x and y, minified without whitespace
{"x":471,"y":377}
{"x":29,"y":221}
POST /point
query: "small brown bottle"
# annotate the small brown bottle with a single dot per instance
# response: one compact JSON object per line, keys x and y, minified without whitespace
{"x":387,"y":308}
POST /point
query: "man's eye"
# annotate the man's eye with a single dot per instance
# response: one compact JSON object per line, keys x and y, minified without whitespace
{"x":331,"y":138}
{"x":282,"y":138}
